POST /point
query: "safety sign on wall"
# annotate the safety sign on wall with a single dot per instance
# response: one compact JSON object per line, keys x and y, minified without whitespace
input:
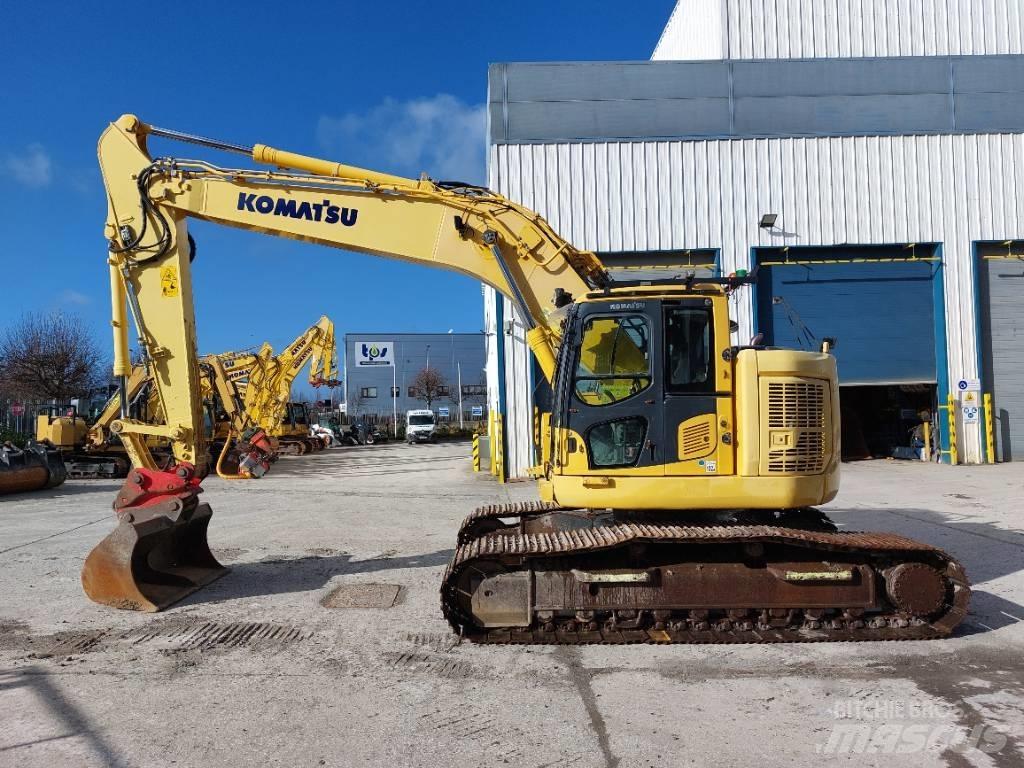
{"x":970,"y":414}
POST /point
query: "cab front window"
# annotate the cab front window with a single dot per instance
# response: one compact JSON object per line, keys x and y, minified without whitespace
{"x":614,"y":359}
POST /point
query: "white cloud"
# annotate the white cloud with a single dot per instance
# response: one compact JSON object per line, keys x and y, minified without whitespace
{"x":74,"y":297}
{"x":33,"y":167}
{"x":440,"y":135}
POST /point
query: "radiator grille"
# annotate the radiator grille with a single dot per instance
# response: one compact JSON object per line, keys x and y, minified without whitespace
{"x":796,"y":405}
{"x":807,"y":456}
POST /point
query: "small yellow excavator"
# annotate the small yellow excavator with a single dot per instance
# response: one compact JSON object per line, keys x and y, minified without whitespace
{"x":96,"y":451}
{"x":244,"y":448}
{"x":93,"y":451}
{"x":679,"y":471}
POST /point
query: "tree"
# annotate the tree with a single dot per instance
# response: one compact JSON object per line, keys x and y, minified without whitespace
{"x":50,"y":356}
{"x":430,"y":385}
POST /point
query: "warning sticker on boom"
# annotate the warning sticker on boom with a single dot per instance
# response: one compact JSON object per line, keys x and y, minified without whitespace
{"x":169,"y":282}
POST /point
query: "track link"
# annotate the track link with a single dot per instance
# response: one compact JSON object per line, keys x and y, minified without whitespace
{"x":485,"y":542}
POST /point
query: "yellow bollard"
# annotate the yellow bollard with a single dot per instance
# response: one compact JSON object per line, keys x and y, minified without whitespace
{"x":492,"y":431}
{"x":476,"y":452}
{"x":499,"y":446}
{"x":927,"y":433}
{"x":990,"y":433}
{"x":951,"y":413}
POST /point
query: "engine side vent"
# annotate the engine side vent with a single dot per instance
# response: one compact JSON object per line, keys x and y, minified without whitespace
{"x":806,"y":457}
{"x":796,"y":405}
{"x":796,"y":433}
{"x":697,"y":437}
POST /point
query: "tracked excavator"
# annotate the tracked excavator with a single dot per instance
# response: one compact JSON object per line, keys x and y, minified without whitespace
{"x":93,"y":451}
{"x":269,"y":381}
{"x":245,"y":450}
{"x":96,"y":451}
{"x":679,"y":473}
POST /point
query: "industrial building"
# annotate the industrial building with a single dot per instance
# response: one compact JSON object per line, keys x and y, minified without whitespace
{"x":866,"y":157}
{"x":381,"y":370}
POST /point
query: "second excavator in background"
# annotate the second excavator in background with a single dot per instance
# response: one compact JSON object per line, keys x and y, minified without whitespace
{"x":268,"y":384}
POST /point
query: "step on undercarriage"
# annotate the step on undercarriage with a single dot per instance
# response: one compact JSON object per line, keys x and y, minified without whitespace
{"x":540,"y":573}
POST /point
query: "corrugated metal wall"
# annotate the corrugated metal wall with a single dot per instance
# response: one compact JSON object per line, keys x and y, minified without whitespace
{"x":827,"y":191}
{"x":792,"y":29}
{"x":506,"y":328}
{"x":1002,"y":326}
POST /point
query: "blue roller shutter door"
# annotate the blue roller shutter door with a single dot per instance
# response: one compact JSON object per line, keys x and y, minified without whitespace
{"x":880,"y":313}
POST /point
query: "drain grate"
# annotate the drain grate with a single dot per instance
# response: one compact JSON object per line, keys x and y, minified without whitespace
{"x":210,"y":635}
{"x":362,"y":596}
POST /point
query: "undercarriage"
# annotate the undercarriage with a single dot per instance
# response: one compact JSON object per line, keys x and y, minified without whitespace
{"x":540,"y":573}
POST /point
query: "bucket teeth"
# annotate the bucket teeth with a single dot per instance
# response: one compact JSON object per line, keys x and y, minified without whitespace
{"x":156,"y":556}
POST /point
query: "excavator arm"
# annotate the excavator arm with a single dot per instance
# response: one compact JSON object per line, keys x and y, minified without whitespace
{"x":269,"y":385}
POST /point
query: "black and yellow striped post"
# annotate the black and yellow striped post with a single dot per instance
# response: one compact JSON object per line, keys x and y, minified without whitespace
{"x":476,"y":452}
{"x":951,"y":415}
{"x":990,"y":436}
{"x":492,"y":432}
{"x":499,"y":446}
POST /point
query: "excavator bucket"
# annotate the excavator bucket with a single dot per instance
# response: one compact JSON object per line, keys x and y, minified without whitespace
{"x":157,"y":554}
{"x":35,"y":467}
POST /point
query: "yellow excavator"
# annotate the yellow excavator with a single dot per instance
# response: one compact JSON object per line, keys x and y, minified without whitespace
{"x":245,"y":449}
{"x":269,"y":379}
{"x":679,"y":471}
{"x":96,"y":451}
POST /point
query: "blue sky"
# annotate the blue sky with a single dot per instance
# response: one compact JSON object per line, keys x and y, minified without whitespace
{"x":396,"y":86}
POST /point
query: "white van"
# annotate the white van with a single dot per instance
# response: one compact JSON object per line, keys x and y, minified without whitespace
{"x":419,"y":426}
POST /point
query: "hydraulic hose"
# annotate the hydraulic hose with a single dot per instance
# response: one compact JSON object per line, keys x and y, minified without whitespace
{"x":220,"y":462}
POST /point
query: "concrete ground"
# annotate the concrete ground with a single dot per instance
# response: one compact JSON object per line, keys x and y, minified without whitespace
{"x":254,"y":670}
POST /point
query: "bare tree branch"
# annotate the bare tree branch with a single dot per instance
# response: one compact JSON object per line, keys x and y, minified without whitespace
{"x":50,"y":356}
{"x":430,"y":385}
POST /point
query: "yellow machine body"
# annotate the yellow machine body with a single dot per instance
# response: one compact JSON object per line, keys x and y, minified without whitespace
{"x":64,"y":432}
{"x":716,"y":446}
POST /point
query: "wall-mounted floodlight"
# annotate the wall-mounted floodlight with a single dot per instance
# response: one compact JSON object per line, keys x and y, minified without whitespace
{"x":768,"y":220}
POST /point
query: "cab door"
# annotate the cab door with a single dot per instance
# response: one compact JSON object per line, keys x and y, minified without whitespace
{"x":697,"y":412}
{"x":611,"y":399}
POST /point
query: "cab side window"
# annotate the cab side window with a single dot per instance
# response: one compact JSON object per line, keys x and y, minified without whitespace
{"x":688,"y":349}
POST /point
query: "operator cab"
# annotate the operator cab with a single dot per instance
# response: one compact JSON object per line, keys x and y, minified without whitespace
{"x":646,"y":388}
